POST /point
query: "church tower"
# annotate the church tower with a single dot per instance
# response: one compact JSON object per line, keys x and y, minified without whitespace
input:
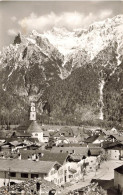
{"x":32,"y":112}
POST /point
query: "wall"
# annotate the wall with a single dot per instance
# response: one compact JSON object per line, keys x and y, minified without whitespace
{"x":113,"y":154}
{"x":118,"y":180}
{"x":38,"y":135}
{"x":51,"y":175}
{"x":4,"y":177}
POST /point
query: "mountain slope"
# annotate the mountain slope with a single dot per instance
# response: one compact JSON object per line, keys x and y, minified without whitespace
{"x":76,"y":76}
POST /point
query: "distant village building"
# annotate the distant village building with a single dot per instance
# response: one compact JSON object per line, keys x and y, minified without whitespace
{"x":114,"y":150}
{"x":16,"y":170}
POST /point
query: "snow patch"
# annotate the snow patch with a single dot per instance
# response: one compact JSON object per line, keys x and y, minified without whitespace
{"x":31,"y":40}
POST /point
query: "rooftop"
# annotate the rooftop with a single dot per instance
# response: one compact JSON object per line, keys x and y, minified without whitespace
{"x":26,"y":166}
{"x":91,"y":139}
{"x":34,"y":127}
{"x":45,"y":155}
{"x":76,"y":150}
{"x":119,"y":169}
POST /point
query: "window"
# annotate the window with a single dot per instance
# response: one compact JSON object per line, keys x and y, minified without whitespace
{"x":12,"y":174}
{"x":52,"y":172}
{"x":34,"y":175}
{"x":61,"y":179}
{"x":60,"y":171}
{"x":70,"y":176}
{"x":24,"y":175}
{"x":55,"y":180}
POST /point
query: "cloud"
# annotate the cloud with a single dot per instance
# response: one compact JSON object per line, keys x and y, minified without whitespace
{"x":70,"y":20}
{"x":13,"y":18}
{"x":105,"y":14}
{"x":12,"y":32}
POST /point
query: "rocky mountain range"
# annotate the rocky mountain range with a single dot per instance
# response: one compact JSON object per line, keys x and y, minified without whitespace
{"x":74,"y":77}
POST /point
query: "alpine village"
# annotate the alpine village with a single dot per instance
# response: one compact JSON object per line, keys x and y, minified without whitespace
{"x":61,"y":112}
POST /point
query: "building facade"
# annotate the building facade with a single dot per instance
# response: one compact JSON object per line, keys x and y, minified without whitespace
{"x":118,"y":179}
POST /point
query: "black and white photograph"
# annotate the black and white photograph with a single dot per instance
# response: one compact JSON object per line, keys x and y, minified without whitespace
{"x":61,"y":97}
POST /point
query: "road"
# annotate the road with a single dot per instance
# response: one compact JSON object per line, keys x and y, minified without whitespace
{"x":106,"y":172}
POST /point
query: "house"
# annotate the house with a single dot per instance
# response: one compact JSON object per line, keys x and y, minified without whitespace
{"x":78,"y":152}
{"x":91,"y":139}
{"x":100,"y":139}
{"x":66,"y":133}
{"x":46,"y":136}
{"x":74,"y":171}
{"x":90,"y":163}
{"x":61,"y":140}
{"x":20,"y":170}
{"x":82,"y":151}
{"x":118,"y":179}
{"x":21,"y":134}
{"x":44,"y":155}
{"x":114,"y":150}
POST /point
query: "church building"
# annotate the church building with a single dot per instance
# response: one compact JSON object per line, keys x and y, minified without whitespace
{"x":34,"y":128}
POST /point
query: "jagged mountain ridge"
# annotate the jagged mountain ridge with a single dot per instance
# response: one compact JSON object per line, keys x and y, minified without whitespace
{"x":40,"y":63}
{"x":29,"y":66}
{"x":84,"y":45}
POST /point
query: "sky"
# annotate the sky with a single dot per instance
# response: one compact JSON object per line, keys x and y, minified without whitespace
{"x":25,"y":16}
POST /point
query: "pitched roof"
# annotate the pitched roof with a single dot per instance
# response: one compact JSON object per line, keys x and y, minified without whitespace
{"x":5,"y":133}
{"x":101,"y":137}
{"x":118,"y":137}
{"x":111,"y":145}
{"x":16,"y":143}
{"x":25,"y":166}
{"x":46,"y":134}
{"x":91,"y":139}
{"x":32,"y":139}
{"x":22,"y":134}
{"x":34,"y":127}
{"x":24,"y":125}
{"x":59,"y":157}
{"x":76,"y":150}
{"x":95,"y":151}
{"x":119,"y":169}
{"x":68,"y":132}
{"x":13,"y":139}
{"x":45,"y":155}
